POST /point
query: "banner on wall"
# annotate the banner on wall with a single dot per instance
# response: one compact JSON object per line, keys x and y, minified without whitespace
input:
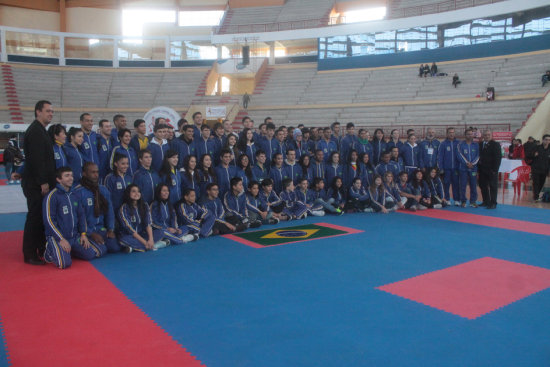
{"x":216,"y":111}
{"x":171,"y":117}
{"x":502,"y":135}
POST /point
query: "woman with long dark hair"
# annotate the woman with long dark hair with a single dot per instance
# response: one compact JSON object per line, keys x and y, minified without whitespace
{"x":207,"y":174}
{"x":135,"y":230}
{"x":231,"y":144}
{"x":190,"y":176}
{"x":436,"y":188}
{"x":366,"y":170}
{"x":170,"y":175}
{"x":337,"y":193}
{"x":164,"y":218}
{"x":306,"y":170}
{"x":75,"y":159}
{"x":244,"y":171}
{"x":378,"y":145}
{"x":118,"y":180}
{"x":421,"y":190}
{"x":247,"y":145}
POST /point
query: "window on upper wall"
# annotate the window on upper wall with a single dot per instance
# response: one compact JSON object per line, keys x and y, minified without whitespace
{"x":134,"y":19}
{"x":200,"y":18}
{"x":364,"y":15}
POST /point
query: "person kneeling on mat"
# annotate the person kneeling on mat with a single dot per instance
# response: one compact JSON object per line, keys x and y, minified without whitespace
{"x":64,"y":219}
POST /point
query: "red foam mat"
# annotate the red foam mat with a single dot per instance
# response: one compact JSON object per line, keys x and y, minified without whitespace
{"x":483,"y":220}
{"x":75,"y":317}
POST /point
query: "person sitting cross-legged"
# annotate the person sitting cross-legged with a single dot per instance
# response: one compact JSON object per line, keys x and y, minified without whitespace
{"x":214,"y":205}
{"x":65,"y":224}
{"x":235,"y":203}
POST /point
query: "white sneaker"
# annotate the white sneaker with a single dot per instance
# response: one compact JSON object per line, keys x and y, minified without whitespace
{"x":127,"y":249}
{"x":421,"y":207}
{"x":438,"y":206}
{"x":11,"y":181}
{"x":457,"y":203}
{"x":318,"y":213}
{"x":368,"y":210}
{"x":188,"y":238}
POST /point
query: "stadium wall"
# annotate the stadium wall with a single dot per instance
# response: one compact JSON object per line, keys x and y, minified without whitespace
{"x":438,"y":55}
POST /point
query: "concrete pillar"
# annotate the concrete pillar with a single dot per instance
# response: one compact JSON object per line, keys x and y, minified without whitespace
{"x":271,"y":53}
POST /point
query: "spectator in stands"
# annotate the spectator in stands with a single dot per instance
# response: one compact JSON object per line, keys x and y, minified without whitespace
{"x":540,"y":168}
{"x":421,"y":70}
{"x":140,"y":141}
{"x":456,"y":80}
{"x":120,"y":123}
{"x":89,"y":144}
{"x":489,"y":162}
{"x":105,"y":143}
{"x":197,"y":123}
{"x":545,"y":78}
{"x":433,"y":69}
{"x":246,"y":100}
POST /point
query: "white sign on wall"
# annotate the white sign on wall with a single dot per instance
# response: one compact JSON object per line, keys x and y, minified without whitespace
{"x":216,"y":111}
{"x":171,"y":117}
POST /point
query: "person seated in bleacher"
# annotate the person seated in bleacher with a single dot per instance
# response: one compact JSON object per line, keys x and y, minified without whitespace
{"x":421,"y":70}
{"x":433,"y":69}
{"x":145,"y":177}
{"x":96,"y":202}
{"x":545,"y":78}
{"x":65,"y":225}
{"x":164,"y":218}
{"x":456,"y":80}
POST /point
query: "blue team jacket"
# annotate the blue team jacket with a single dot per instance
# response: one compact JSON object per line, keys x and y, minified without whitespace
{"x":236,"y":205}
{"x":105,"y":221}
{"x":428,"y":153}
{"x":158,"y":151}
{"x":447,"y":155}
{"x":89,"y":148}
{"x":63,"y":215}
{"x":116,"y":186}
{"x":104,"y":148}
{"x":409,"y":155}
{"x":130,"y":153}
{"x":216,"y":208}
{"x":163,"y":215}
{"x":130,"y":220}
{"x":75,"y":160}
{"x":467,"y":153}
{"x":147,"y":180}
{"x":59,"y":156}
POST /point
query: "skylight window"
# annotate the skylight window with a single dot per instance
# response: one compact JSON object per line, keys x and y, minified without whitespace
{"x":200,"y":18}
{"x":365,"y":15}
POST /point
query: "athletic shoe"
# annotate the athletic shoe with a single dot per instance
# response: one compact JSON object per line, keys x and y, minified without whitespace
{"x":339,"y":211}
{"x":463,"y":205}
{"x":318,"y":213}
{"x":538,"y":200}
{"x":421,"y":207}
{"x":255,"y":224}
{"x":11,"y":181}
{"x":457,"y":203}
{"x":127,"y":249}
{"x":368,"y":210}
{"x":188,"y":238}
{"x":195,"y":236}
{"x":438,"y":206}
{"x":412,"y":208}
{"x":273,"y":221}
{"x":474,"y":205}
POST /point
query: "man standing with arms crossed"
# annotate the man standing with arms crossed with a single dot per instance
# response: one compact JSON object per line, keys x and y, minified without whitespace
{"x":37,"y":180}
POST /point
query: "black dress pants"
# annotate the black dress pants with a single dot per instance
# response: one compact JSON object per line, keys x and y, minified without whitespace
{"x":488,"y":183}
{"x":34,"y":238}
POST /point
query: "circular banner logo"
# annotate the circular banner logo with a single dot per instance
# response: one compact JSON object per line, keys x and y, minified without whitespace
{"x":171,"y":117}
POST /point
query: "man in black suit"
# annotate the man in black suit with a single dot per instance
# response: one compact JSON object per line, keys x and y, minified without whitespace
{"x":489,"y":161}
{"x":38,"y":179}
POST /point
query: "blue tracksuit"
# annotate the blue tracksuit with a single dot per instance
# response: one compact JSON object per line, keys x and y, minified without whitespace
{"x":318,"y":170}
{"x":64,"y":218}
{"x":277,"y":175}
{"x":75,"y":160}
{"x":184,"y":148}
{"x":410,"y":157}
{"x":364,"y":147}
{"x":256,"y":204}
{"x":59,"y":156}
{"x":89,"y":148}
{"x":127,"y":152}
{"x":224,"y":176}
{"x":468,"y":153}
{"x":280,"y":147}
{"x":205,"y":147}
{"x":338,"y":196}
{"x":366,"y":174}
{"x":393,"y":191}
{"x":308,"y":198}
{"x":332,"y":171}
{"x":260,"y":173}
{"x":174,"y":182}
{"x":147,"y":180}
{"x":301,"y":149}
{"x":293,"y":171}
{"x":428,"y":153}
{"x":250,"y":152}
{"x":270,"y":146}
{"x":448,"y":162}
{"x":391,"y":166}
{"x":102,"y":223}
{"x":347,"y":144}
{"x":163,"y":216}
{"x":104,"y":148}
{"x":134,"y":143}
{"x":327,"y":147}
{"x":116,"y":185}
{"x":293,"y":206}
{"x":391,"y":144}
{"x":132,"y":222}
{"x":218,"y":143}
{"x":378,"y":147}
{"x":196,"y":218}
{"x":236,"y":205}
{"x":436,"y":187}
{"x":216,"y":208}
{"x":350,"y":173}
{"x":204,"y":180}
{"x":158,"y":151}
{"x":192,"y":183}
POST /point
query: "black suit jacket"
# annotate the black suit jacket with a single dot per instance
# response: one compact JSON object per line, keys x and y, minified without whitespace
{"x":489,"y":157}
{"x":39,"y":157}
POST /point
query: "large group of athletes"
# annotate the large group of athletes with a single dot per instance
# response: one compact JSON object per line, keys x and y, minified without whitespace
{"x":118,"y":191}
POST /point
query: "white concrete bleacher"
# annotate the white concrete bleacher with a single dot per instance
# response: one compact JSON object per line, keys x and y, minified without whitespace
{"x":410,"y":8}
{"x":294,"y":10}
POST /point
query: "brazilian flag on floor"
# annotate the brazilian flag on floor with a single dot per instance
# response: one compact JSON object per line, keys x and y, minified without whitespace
{"x":281,"y":236}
